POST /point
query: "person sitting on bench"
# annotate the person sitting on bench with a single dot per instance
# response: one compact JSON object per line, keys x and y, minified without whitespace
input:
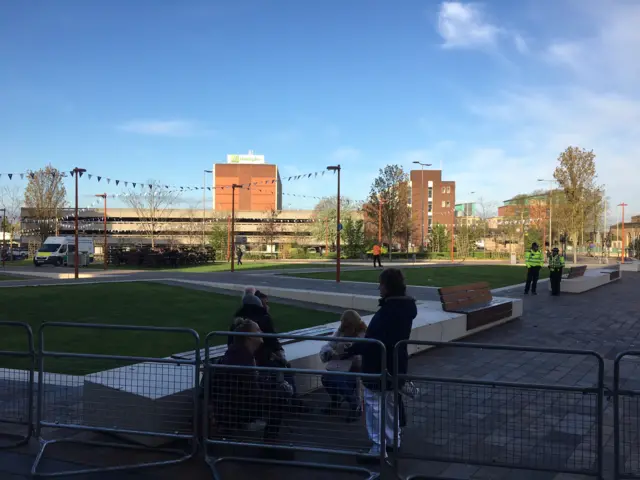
{"x":343,"y":387}
{"x":240,"y":397}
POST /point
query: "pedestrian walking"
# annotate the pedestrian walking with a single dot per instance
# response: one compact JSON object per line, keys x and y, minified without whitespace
{"x":556,"y":264}
{"x":239,"y":254}
{"x":376,"y":255}
{"x":534,"y":260}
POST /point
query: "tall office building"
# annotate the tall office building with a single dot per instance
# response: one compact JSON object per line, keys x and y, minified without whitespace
{"x":262,"y":188}
{"x":439,"y":197}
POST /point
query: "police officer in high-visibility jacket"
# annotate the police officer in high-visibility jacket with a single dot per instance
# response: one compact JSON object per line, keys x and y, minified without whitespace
{"x":534,"y":261}
{"x":556,"y":264}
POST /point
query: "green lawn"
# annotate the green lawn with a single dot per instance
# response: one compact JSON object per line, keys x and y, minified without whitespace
{"x":147,"y":304}
{"x":496,"y":275}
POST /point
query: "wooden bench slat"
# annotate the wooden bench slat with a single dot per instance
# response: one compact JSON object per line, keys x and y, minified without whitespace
{"x":463,"y":295}
{"x":461,"y":288}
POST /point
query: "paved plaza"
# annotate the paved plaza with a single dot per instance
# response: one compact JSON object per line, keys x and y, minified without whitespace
{"x":475,"y":423}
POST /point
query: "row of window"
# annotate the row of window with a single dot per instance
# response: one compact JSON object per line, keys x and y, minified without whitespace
{"x":445,"y":189}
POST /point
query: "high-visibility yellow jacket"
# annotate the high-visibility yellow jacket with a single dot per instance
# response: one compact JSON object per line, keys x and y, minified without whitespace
{"x":533,"y":259}
{"x":556,"y":262}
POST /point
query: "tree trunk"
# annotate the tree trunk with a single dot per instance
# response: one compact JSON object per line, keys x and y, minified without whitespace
{"x":575,"y":248}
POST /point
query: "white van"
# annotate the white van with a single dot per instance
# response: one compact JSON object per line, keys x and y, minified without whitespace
{"x":54,"y":250}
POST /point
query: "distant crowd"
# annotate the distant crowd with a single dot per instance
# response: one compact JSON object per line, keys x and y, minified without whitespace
{"x":240,"y":396}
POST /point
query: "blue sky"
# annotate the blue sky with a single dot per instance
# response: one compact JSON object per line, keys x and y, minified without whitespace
{"x":159,"y":89}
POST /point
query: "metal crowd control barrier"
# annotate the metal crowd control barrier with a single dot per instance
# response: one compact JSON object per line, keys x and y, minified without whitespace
{"x":147,"y":401}
{"x":16,"y":386}
{"x":626,"y":414}
{"x":512,"y":424}
{"x":280,"y":410}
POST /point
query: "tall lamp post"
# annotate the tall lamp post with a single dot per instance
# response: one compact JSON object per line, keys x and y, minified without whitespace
{"x":104,"y":248}
{"x":422,"y":165}
{"x":233,"y":225}
{"x":551,"y":182}
{"x":622,"y":253}
{"x":204,"y":204}
{"x":77,"y":173}
{"x":336,"y":168}
{"x":2,"y":224}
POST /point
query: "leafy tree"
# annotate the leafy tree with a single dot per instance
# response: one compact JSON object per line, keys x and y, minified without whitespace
{"x":219,"y":237}
{"x":466,"y":238}
{"x":389,"y":201}
{"x":354,"y":237}
{"x":325,"y":218}
{"x":152,"y":204}
{"x":439,"y":239}
{"x":45,"y":197}
{"x":576,"y":175}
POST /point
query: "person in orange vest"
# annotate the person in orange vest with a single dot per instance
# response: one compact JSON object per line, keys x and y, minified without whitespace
{"x":376,"y":255}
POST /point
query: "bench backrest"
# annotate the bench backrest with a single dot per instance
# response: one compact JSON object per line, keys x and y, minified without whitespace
{"x":575,"y":272}
{"x":462,"y":296}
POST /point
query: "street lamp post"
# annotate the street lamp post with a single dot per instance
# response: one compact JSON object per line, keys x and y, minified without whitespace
{"x":551,"y":182}
{"x":77,"y":172}
{"x":622,"y":253}
{"x":2,"y":225}
{"x":204,"y":204}
{"x":104,"y":248}
{"x":233,"y":225}
{"x":422,"y":165}
{"x":336,"y":168}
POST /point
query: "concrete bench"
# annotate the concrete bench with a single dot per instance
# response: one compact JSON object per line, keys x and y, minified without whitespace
{"x":591,"y":278}
{"x":156,"y":397}
{"x":630,"y":266}
{"x":575,"y":272}
{"x":476,"y":301}
{"x":218,"y":351}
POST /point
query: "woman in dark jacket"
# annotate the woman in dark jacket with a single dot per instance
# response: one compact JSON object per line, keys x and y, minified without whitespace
{"x":391,"y":324}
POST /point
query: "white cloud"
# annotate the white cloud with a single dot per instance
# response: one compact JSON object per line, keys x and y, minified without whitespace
{"x":464,"y":26}
{"x":165,"y":128}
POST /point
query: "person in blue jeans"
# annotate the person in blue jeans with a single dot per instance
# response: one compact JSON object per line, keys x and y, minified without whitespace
{"x":343,"y":388}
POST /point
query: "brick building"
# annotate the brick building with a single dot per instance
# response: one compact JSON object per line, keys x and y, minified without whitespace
{"x":264,"y":192}
{"x":439,"y":197}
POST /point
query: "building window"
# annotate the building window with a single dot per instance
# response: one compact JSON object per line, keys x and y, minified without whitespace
{"x":430,"y":192}
{"x":444,"y":190}
{"x":430,"y":206}
{"x":430,"y":225}
{"x":448,"y":204}
{"x":444,"y":204}
{"x":448,"y":189}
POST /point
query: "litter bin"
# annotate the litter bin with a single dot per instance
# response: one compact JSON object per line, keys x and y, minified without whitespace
{"x":514,"y":259}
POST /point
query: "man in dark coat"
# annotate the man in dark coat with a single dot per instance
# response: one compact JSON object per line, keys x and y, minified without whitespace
{"x":390,"y":324}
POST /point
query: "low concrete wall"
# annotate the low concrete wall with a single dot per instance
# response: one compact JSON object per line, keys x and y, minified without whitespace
{"x":630,"y":266}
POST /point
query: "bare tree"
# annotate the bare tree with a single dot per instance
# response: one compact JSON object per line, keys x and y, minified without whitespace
{"x":10,"y":201}
{"x":325,"y":217}
{"x":151,"y":204}
{"x":576,"y":174}
{"x":269,"y":228}
{"x":45,"y":197}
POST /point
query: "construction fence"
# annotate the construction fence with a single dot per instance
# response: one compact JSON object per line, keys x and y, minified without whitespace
{"x":229,"y":412}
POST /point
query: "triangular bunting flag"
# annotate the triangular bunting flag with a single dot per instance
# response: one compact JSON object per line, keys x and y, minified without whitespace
{"x":81,"y":173}
{"x":10,"y":175}
{"x":126,"y":184}
{"x":117,"y":182}
{"x":150,"y":186}
{"x":89,"y":175}
{"x":323,"y":173}
{"x":108,"y":180}
{"x":99,"y":178}
{"x":310,"y":175}
{"x":32,"y":175}
{"x":166,"y":186}
{"x":288,"y":179}
{"x":209,"y":188}
{"x":134,"y":185}
{"x":71,"y":173}
{"x":21,"y":176}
